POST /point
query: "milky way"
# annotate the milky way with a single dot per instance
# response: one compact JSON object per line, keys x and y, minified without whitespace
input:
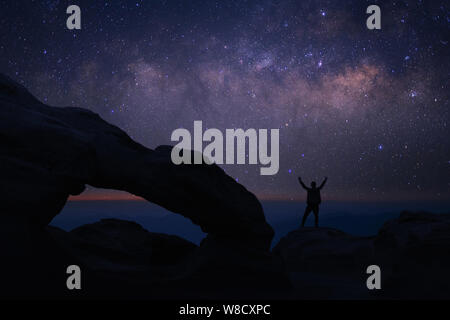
{"x":367,"y":108}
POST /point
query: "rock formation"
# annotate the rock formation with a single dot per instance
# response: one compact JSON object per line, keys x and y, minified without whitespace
{"x":49,"y":153}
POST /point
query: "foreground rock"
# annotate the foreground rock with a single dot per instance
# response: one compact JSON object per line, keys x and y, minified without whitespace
{"x":113,"y":244}
{"x":121,"y":259}
{"x":50,"y":153}
{"x":413,"y":252}
{"x":324,"y":250}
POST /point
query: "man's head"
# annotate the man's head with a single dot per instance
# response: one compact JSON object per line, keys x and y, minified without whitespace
{"x":313,"y":184}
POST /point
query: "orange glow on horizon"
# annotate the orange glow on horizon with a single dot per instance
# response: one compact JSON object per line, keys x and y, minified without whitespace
{"x":105,"y":196}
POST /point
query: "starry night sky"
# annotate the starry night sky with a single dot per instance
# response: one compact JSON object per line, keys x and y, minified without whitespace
{"x":369,"y":109}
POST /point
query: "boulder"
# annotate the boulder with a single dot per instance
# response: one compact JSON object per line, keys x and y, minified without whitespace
{"x":324,"y":250}
{"x":413,"y":252}
{"x":119,"y":244}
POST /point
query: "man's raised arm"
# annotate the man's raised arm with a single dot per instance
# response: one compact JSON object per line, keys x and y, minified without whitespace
{"x":323,"y":183}
{"x":301,"y":182}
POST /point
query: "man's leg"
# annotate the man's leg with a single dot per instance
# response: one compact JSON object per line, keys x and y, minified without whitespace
{"x":316,"y":215}
{"x":305,"y":215}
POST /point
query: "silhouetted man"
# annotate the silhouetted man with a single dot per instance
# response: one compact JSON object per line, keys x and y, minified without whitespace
{"x":313,"y":200}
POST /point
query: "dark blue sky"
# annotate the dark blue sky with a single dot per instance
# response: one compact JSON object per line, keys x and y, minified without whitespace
{"x":368,"y":109}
